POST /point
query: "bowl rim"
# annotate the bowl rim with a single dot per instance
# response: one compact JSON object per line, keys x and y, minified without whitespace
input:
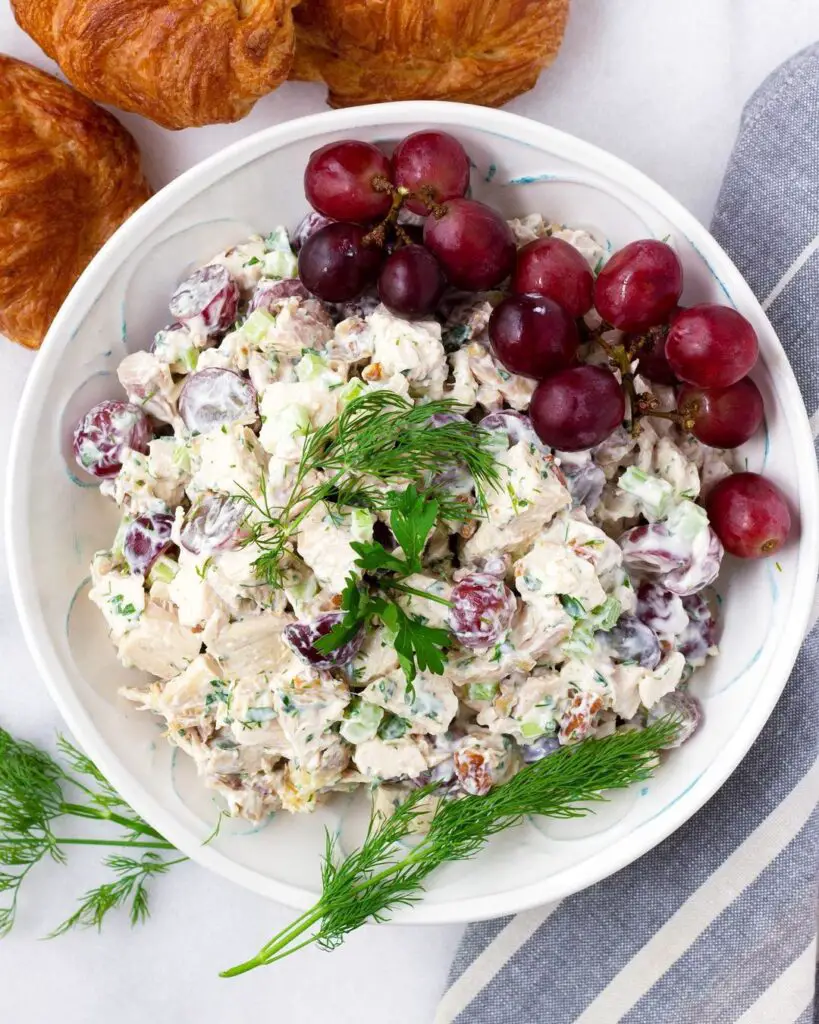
{"x":150,"y":217}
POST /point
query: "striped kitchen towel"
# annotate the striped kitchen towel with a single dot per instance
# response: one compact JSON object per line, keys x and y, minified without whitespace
{"x":717,"y":924}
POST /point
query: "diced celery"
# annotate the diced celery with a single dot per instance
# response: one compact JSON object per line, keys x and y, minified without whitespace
{"x":182,"y":457}
{"x":312,"y":368}
{"x":280,"y":264}
{"x":361,"y":721}
{"x":482,"y":691}
{"x":257,"y":325}
{"x":687,"y":520}
{"x":190,"y":358}
{"x":278,"y":240}
{"x":163,"y":570}
{"x":530,"y":730}
{"x":117,"y":545}
{"x":606,"y":615}
{"x":353,"y":389}
{"x":581,"y":641}
{"x":653,"y":492}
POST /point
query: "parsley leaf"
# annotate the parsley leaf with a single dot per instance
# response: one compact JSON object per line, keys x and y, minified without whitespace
{"x":412,"y":517}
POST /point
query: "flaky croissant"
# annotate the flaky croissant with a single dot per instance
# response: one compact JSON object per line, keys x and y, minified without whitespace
{"x":181,"y":63}
{"x":69,"y":176}
{"x":476,"y":51}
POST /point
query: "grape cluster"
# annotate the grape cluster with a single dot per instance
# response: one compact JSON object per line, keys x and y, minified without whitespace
{"x":356,"y":241}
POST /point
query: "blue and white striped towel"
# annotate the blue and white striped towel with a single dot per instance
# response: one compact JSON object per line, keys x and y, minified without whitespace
{"x":717,"y":924}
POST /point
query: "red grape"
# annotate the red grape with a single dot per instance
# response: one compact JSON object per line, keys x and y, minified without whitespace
{"x":661,"y":610}
{"x":309,"y":224}
{"x":555,"y":269}
{"x":533,"y":335}
{"x":336,"y":265}
{"x":301,"y":638}
{"x":700,"y":635}
{"x":338,"y":181}
{"x":213,"y":523}
{"x":749,"y":514}
{"x":633,"y":641}
{"x":685,"y":709}
{"x":481,"y":610}
{"x":639,"y":286}
{"x":577,"y":408}
{"x":722,"y":417}
{"x":214,"y":397}
{"x":515,"y":425}
{"x":711,"y":346}
{"x":701,"y":570}
{"x":268,"y":293}
{"x":105,"y":432}
{"x":473,"y":243}
{"x":145,"y":540}
{"x":650,"y":352}
{"x":432,"y":159}
{"x":652,"y":548}
{"x":411,"y":282}
{"x":209,"y":293}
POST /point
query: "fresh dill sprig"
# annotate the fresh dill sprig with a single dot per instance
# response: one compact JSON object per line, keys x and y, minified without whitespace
{"x":379,"y":439}
{"x":34,"y":796}
{"x":375,"y":879}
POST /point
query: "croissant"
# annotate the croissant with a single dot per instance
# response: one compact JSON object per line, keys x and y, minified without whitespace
{"x":476,"y":51}
{"x":179,"y":62}
{"x":69,"y":176}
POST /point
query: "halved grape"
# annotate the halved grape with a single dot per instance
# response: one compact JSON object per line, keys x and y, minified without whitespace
{"x":411,"y":282}
{"x":268,"y":293}
{"x":722,"y":417}
{"x":338,"y":181}
{"x":553,"y":268}
{"x":516,"y":426}
{"x":700,"y":635}
{"x":701,"y":571}
{"x":533,"y":336}
{"x":213,"y":523}
{"x":539,"y":748}
{"x":145,"y":540}
{"x":481,"y":610}
{"x":639,"y":286}
{"x":105,"y":432}
{"x":209,"y":293}
{"x":653,"y":548}
{"x":473,"y":243}
{"x":632,"y":640}
{"x":750,"y":515}
{"x":214,"y":397}
{"x":681,"y":706}
{"x":660,"y":610}
{"x":433,"y":161}
{"x":585,"y":482}
{"x":336,"y":265}
{"x":577,"y":408}
{"x":308,"y":225}
{"x":711,"y":346}
{"x":301,"y":637}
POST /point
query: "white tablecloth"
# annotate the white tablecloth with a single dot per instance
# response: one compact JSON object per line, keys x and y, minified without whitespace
{"x":660,"y":83}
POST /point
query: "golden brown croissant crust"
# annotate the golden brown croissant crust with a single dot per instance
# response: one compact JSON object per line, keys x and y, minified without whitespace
{"x":69,"y":176}
{"x":179,"y":62}
{"x":476,"y":51}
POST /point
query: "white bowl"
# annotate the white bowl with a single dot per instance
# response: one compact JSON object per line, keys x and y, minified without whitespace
{"x":56,"y":521}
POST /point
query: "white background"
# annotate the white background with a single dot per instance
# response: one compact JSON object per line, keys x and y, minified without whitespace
{"x":660,"y":83}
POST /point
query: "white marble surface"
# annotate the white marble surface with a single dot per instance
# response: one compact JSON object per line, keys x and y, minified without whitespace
{"x":660,"y":84}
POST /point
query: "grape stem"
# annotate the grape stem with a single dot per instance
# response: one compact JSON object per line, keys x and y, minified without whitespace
{"x":399,"y":194}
